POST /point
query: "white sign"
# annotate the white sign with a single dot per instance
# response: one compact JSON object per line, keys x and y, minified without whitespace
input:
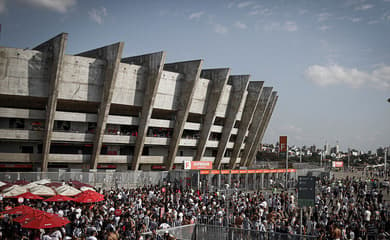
{"x":20,"y":200}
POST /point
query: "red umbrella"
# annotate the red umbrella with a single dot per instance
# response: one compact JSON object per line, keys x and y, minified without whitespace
{"x":22,"y":209}
{"x":28,"y":216}
{"x":28,"y":195}
{"x":45,"y":220}
{"x":89,"y":196}
{"x":58,"y":198}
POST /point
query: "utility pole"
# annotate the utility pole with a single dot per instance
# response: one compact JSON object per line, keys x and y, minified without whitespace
{"x":349,"y":156}
{"x":300,"y":155}
{"x":386,"y":149}
{"x":286,"y":166}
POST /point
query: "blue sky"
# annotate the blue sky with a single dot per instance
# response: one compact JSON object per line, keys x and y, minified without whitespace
{"x":329,"y":60}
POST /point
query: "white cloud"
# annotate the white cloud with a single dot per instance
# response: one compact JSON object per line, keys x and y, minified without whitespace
{"x":355,"y":20}
{"x":364,"y":7}
{"x":2,"y":6}
{"x":260,"y":10}
{"x":302,"y":11}
{"x":244,"y":4}
{"x":373,"y":22}
{"x":97,"y":15}
{"x":335,"y":75}
{"x":221,"y":29}
{"x":324,"y":28}
{"x":290,"y":26}
{"x":61,"y":6}
{"x":240,"y":25}
{"x":195,"y":15}
{"x":272,"y":26}
{"x":323,"y":16}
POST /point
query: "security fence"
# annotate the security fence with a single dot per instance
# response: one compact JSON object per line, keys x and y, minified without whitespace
{"x":184,"y":178}
{"x":205,"y":232}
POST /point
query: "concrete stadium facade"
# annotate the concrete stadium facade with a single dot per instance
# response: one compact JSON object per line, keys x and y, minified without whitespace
{"x":98,"y":109}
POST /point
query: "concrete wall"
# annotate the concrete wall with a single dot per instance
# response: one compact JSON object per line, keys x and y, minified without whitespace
{"x":26,"y":73}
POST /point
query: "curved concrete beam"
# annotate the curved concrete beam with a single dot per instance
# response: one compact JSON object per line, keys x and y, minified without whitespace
{"x":112,"y":55}
{"x":154,"y":63}
{"x":218,"y":79}
{"x":254,"y":92}
{"x":239,"y":85}
{"x":191,"y":73}
{"x":256,"y":122}
{"x":55,"y":48}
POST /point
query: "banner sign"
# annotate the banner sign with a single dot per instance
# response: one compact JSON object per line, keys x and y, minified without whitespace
{"x":251,"y":171}
{"x":198,"y":165}
{"x":337,"y":164}
{"x":283,"y":144}
{"x":306,"y":191}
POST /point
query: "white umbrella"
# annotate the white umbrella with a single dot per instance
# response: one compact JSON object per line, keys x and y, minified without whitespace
{"x":42,"y":181}
{"x":30,"y":185}
{"x":84,"y":188}
{"x":66,"y":190}
{"x":2,"y":183}
{"x":14,"y":190}
{"x":42,"y":191}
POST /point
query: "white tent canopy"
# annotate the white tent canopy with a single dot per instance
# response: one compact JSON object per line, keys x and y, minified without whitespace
{"x":2,"y":183}
{"x":66,"y":190}
{"x":42,"y":191}
{"x":30,"y":185}
{"x":14,"y":190}
{"x":42,"y":181}
{"x":84,"y":188}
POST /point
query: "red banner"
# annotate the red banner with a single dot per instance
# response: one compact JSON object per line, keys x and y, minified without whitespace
{"x":225,"y":171}
{"x":198,"y":165}
{"x":283,"y":144}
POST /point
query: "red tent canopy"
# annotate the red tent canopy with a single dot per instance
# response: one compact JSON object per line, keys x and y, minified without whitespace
{"x":28,"y":195}
{"x":22,"y":209}
{"x":21,"y":182}
{"x":28,"y":216}
{"x":53,"y":184}
{"x":89,"y":197}
{"x":59,"y":198}
{"x":45,"y":220}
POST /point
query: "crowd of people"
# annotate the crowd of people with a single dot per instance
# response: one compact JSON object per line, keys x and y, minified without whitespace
{"x":344,"y":209}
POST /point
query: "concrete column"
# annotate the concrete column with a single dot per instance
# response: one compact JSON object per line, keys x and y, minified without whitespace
{"x":55,"y":49}
{"x":112,"y":55}
{"x":218,"y":79}
{"x":255,"y":124}
{"x":254,"y":92}
{"x":262,"y":181}
{"x":263,"y":126}
{"x":191,"y":73}
{"x":154,"y":63}
{"x":239,"y":85}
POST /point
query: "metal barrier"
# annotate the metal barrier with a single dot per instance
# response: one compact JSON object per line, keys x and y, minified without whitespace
{"x":104,"y":180}
{"x":184,"y":178}
{"x":203,"y":231}
{"x":186,"y":232}
{"x":206,"y":232}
